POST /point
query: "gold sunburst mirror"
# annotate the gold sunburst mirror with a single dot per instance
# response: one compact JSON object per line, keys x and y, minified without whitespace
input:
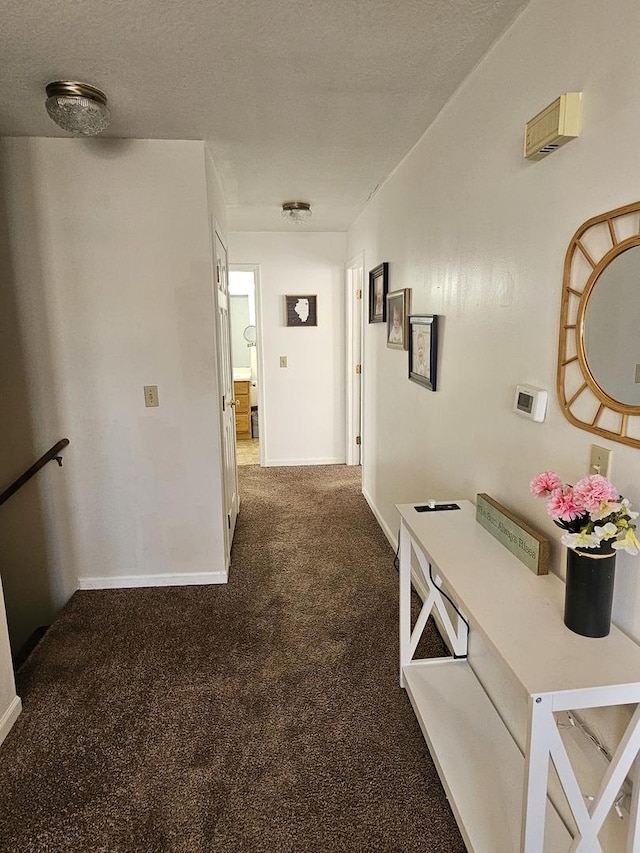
{"x":599,"y":349}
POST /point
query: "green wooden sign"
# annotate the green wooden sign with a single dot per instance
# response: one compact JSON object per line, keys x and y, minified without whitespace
{"x":514,"y":533}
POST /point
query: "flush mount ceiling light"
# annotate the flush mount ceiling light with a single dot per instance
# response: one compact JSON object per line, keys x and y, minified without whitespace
{"x":77,"y":107}
{"x":296,"y":211}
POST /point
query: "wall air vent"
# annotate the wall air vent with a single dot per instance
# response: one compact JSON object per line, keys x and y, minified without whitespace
{"x":553,"y":127}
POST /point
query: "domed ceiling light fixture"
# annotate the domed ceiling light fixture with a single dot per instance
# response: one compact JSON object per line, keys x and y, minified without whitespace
{"x":77,"y":107}
{"x":296,"y":212}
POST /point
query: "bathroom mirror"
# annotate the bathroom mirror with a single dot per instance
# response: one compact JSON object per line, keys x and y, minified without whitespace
{"x":250,"y":335}
{"x":599,"y":351}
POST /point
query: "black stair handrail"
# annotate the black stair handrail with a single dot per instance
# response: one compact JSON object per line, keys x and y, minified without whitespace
{"x":52,"y":453}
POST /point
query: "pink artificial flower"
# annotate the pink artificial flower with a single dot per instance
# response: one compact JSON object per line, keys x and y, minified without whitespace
{"x":563,"y":506}
{"x":545,"y":483}
{"x":594,"y":490}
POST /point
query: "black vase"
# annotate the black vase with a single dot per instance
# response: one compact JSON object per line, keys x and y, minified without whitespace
{"x":589,"y":591}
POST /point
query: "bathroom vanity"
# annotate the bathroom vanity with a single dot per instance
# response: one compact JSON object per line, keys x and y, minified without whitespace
{"x":241,"y":393}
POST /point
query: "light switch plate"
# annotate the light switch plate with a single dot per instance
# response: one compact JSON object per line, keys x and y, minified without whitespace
{"x":151,"y":396}
{"x":600,"y":460}
{"x":283,"y":361}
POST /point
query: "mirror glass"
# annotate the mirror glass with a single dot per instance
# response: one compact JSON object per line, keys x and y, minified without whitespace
{"x":611,"y":328}
{"x":250,"y":334}
{"x":239,"y":320}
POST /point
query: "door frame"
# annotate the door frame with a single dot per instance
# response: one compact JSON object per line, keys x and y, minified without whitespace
{"x":354,"y":283}
{"x":262,"y":397}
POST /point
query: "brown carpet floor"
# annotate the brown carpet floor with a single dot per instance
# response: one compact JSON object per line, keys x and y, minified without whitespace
{"x":264,"y":715}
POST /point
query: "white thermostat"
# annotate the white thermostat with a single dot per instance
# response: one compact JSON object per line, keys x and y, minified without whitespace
{"x":530,"y":402}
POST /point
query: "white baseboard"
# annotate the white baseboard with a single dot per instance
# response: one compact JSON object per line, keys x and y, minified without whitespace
{"x":9,"y":717}
{"x":391,"y":536}
{"x":281,"y":463}
{"x":131,"y":581}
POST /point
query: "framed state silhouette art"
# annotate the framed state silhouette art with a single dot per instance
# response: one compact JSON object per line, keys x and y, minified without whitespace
{"x":301,"y":311}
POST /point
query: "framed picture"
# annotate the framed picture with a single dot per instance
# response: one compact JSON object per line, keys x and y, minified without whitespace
{"x":423,"y":349}
{"x":378,"y":287}
{"x":301,"y":311}
{"x":397,"y":316}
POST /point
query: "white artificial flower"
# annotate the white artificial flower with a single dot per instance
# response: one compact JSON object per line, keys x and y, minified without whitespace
{"x":580,"y":540}
{"x":628,"y":543}
{"x":628,"y":512}
{"x":606,"y":508}
{"x":607,"y":532}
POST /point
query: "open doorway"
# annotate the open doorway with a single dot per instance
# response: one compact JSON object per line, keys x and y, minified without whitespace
{"x":245,"y":362}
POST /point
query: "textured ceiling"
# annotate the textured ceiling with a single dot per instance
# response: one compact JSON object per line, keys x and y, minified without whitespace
{"x":316,"y":100}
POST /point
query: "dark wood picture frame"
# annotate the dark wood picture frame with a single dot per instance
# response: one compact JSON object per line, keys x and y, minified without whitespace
{"x":295,"y":318}
{"x":423,"y":350}
{"x":378,"y":287}
{"x":397,"y":318}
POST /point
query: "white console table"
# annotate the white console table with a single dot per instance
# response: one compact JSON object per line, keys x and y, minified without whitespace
{"x":501,"y":798}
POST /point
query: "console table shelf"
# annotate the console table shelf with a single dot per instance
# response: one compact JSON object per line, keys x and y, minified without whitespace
{"x":498,"y":795}
{"x":476,"y":757}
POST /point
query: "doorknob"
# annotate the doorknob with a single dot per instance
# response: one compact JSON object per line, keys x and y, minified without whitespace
{"x":233,"y":402}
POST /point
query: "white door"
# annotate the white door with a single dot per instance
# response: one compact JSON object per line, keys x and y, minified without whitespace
{"x":354,"y":289}
{"x":227,"y":397}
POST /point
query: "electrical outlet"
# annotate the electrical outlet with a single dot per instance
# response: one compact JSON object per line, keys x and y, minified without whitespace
{"x":151,"y":396}
{"x":600,"y":460}
{"x":283,"y":361}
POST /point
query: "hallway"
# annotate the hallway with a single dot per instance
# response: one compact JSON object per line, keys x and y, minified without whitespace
{"x":264,"y":715}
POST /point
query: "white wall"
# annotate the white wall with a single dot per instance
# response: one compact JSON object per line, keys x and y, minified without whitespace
{"x":109,"y":262}
{"x":480,"y":234}
{"x":303,"y":418}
